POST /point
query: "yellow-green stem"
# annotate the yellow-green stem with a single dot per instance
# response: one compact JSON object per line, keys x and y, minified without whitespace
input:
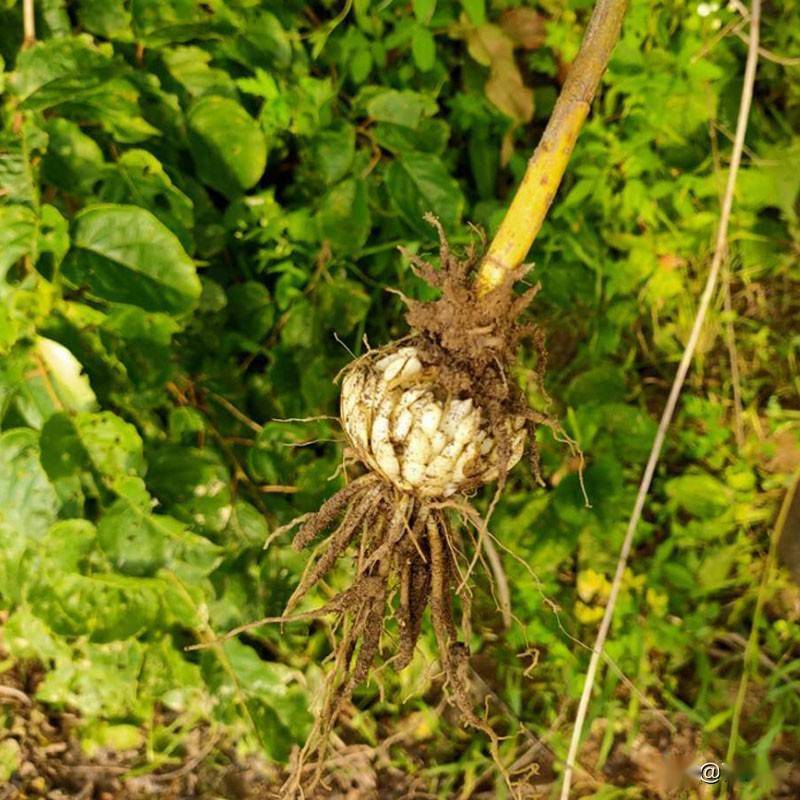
{"x":546,"y":167}
{"x":28,"y":24}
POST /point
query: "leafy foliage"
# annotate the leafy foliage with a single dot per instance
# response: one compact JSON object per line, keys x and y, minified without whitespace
{"x":194,"y":197}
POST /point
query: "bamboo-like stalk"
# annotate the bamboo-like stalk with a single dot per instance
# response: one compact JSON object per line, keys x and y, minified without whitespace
{"x":28,"y":24}
{"x":546,"y":167}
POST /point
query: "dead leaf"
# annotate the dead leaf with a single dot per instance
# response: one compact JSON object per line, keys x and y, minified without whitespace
{"x":492,"y":47}
{"x":507,"y":91}
{"x":525,"y":27}
{"x":785,"y":452}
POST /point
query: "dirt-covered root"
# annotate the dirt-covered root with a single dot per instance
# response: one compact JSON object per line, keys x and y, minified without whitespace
{"x":404,"y":560}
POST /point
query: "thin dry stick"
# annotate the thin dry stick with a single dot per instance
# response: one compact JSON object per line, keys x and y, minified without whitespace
{"x":730,"y":333}
{"x":28,"y":24}
{"x":733,"y":355}
{"x":546,"y":167}
{"x":677,"y":385}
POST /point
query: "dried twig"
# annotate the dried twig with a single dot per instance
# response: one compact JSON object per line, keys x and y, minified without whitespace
{"x":677,"y":385}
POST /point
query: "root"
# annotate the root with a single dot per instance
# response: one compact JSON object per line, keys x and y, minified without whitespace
{"x":406,"y":559}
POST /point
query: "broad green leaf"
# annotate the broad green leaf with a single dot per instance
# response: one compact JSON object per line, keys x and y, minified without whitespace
{"x":139,"y":178}
{"x":276,"y":701}
{"x":190,"y":67}
{"x":113,"y":445}
{"x":418,"y":183}
{"x":62,"y":452}
{"x":83,"y":81}
{"x":344,"y":301}
{"x":123,"y":253}
{"x":137,"y":325}
{"x":99,"y":680}
{"x":110,"y":19}
{"x":160,"y":22}
{"x":344,"y":218}
{"x":60,"y":70}
{"x":430,"y":136}
{"x":170,"y":678}
{"x":104,"y":607}
{"x":68,"y":545}
{"x":28,"y":637}
{"x":134,"y":539}
{"x":602,"y":384}
{"x":18,"y":180}
{"x":251,"y":309}
{"x":28,"y":504}
{"x":261,"y":41}
{"x":228,"y":145}
{"x":192,"y":484}
{"x":191,"y":556}
{"x":405,"y":107}
{"x":699,"y":494}
{"x":18,"y":230}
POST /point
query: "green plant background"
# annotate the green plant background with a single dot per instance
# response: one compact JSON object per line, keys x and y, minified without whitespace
{"x":200,"y":207}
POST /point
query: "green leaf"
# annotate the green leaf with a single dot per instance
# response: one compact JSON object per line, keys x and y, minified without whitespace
{"x":423,"y":9}
{"x":190,"y":66}
{"x":113,"y":445}
{"x":18,"y":229}
{"x":405,"y":107}
{"x":135,"y":540}
{"x":160,"y":22}
{"x":423,"y":48}
{"x":100,"y":680}
{"x":28,"y":503}
{"x":169,"y":678}
{"x":275,"y":700}
{"x":68,"y":545}
{"x":139,"y":178}
{"x":332,"y":152}
{"x":107,"y":18}
{"x":228,"y":145}
{"x":28,"y":637}
{"x":105,"y":607}
{"x":63,"y":454}
{"x":345,"y":302}
{"x":251,"y":309}
{"x":60,"y":70}
{"x":344,"y":218}
{"x":476,"y":11}
{"x":123,"y":253}
{"x":193,"y":484}
{"x":700,"y":494}
{"x":430,"y":136}
{"x":418,"y":183}
{"x":74,"y":161}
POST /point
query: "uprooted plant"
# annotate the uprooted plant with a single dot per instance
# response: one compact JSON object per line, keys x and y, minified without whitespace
{"x":432,"y":418}
{"x":429,"y":420}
